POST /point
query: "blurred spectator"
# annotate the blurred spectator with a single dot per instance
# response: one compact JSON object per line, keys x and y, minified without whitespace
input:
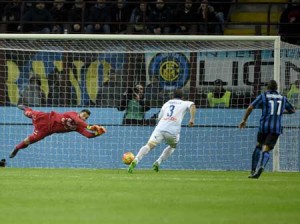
{"x":76,"y":17}
{"x":2,"y":5}
{"x":208,"y":21}
{"x":60,"y":15}
{"x":68,"y":4}
{"x":109,"y":92}
{"x":289,"y":28}
{"x":28,"y":6}
{"x":186,"y":15}
{"x":38,"y":19}
{"x":133,"y":4}
{"x":100,"y":17}
{"x":154,"y":93}
{"x":293,"y":94}
{"x":135,"y":106}
{"x":138,"y":19}
{"x":219,"y":97}
{"x":60,"y":89}
{"x":12,"y":15}
{"x":159,"y":15}
{"x":54,"y":83}
{"x":222,"y":10}
{"x":33,"y":95}
{"x":120,"y":17}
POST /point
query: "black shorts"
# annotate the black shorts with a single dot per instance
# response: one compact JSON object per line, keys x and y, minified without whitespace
{"x":268,"y":139}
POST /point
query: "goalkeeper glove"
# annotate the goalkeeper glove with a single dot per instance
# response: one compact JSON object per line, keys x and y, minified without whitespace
{"x":99,"y":130}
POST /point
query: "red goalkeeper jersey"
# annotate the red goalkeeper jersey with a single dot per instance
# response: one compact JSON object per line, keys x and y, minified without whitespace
{"x":54,"y":122}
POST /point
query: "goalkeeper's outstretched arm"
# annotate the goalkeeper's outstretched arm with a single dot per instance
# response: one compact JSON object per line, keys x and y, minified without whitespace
{"x":92,"y":131}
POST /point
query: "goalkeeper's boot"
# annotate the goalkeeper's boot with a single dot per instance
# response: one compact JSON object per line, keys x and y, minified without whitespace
{"x":27,"y":110}
{"x":132,"y":166}
{"x":22,"y":107}
{"x":257,"y":174}
{"x":13,"y":153}
{"x":155,"y":166}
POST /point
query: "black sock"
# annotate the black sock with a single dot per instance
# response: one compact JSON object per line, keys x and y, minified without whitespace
{"x":255,"y":157}
{"x":264,"y":160}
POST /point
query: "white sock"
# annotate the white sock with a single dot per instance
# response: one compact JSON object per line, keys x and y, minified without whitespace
{"x":143,"y":151}
{"x":165,"y":154}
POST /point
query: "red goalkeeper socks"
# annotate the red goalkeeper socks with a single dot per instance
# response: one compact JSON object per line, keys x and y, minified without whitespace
{"x":21,"y":145}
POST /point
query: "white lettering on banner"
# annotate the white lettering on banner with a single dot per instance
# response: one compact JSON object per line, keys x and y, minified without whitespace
{"x":240,"y":70}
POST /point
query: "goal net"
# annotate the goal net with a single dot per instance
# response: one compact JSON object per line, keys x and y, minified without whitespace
{"x":71,"y":72}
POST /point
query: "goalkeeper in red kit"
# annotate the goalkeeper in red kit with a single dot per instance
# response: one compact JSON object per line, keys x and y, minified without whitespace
{"x":46,"y":124}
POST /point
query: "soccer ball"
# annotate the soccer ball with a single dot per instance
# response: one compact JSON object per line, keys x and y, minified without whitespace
{"x":127,"y":158}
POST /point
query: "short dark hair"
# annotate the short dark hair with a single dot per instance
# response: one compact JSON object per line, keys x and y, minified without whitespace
{"x":86,"y":111}
{"x":272,"y":85}
{"x":178,"y":93}
{"x":218,"y":82}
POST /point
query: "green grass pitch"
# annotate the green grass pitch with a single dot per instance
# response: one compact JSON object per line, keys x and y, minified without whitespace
{"x":114,"y":196}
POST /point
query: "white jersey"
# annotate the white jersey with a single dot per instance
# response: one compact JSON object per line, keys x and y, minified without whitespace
{"x":171,"y":115}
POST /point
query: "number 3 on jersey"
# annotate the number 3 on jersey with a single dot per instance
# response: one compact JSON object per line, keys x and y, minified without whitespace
{"x":171,"y":111}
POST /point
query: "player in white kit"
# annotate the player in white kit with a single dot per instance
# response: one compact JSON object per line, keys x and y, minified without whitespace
{"x":167,"y":129}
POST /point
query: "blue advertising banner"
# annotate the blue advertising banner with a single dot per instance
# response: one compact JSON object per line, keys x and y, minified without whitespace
{"x":83,"y":75}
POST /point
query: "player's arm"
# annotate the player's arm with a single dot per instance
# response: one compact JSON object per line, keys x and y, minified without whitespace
{"x":289,"y":108}
{"x":97,"y":129}
{"x":192,"y":115}
{"x":246,"y":115}
{"x":255,"y":104}
{"x":161,"y":112}
{"x":91,"y":131}
{"x":289,"y":112}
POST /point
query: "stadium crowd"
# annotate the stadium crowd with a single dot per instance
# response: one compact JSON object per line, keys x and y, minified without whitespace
{"x":115,"y":17}
{"x":132,"y":17}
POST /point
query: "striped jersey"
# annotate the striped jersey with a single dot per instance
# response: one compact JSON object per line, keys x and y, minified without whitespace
{"x":273,"y":105}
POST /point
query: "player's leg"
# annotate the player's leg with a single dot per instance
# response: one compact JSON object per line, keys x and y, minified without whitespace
{"x":28,"y":112}
{"x":269,"y":143}
{"x":22,"y":107}
{"x":22,"y":145}
{"x":142,"y":152}
{"x":255,"y":157}
{"x":257,"y":152}
{"x":40,"y":121}
{"x":154,"y":140}
{"x":35,"y":137}
{"x":172,"y":141}
{"x":165,"y":154}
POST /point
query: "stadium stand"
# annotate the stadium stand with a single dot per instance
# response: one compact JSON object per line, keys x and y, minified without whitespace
{"x":255,"y":17}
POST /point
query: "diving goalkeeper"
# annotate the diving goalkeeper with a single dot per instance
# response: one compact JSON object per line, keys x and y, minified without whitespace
{"x":46,"y":124}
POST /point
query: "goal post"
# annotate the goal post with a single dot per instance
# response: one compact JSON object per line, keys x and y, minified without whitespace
{"x":65,"y":72}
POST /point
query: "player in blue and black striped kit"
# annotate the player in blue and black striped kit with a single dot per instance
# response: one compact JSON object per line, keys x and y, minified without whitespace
{"x":273,"y":106}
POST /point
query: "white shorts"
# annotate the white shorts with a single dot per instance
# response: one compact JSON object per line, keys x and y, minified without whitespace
{"x":158,"y":135}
